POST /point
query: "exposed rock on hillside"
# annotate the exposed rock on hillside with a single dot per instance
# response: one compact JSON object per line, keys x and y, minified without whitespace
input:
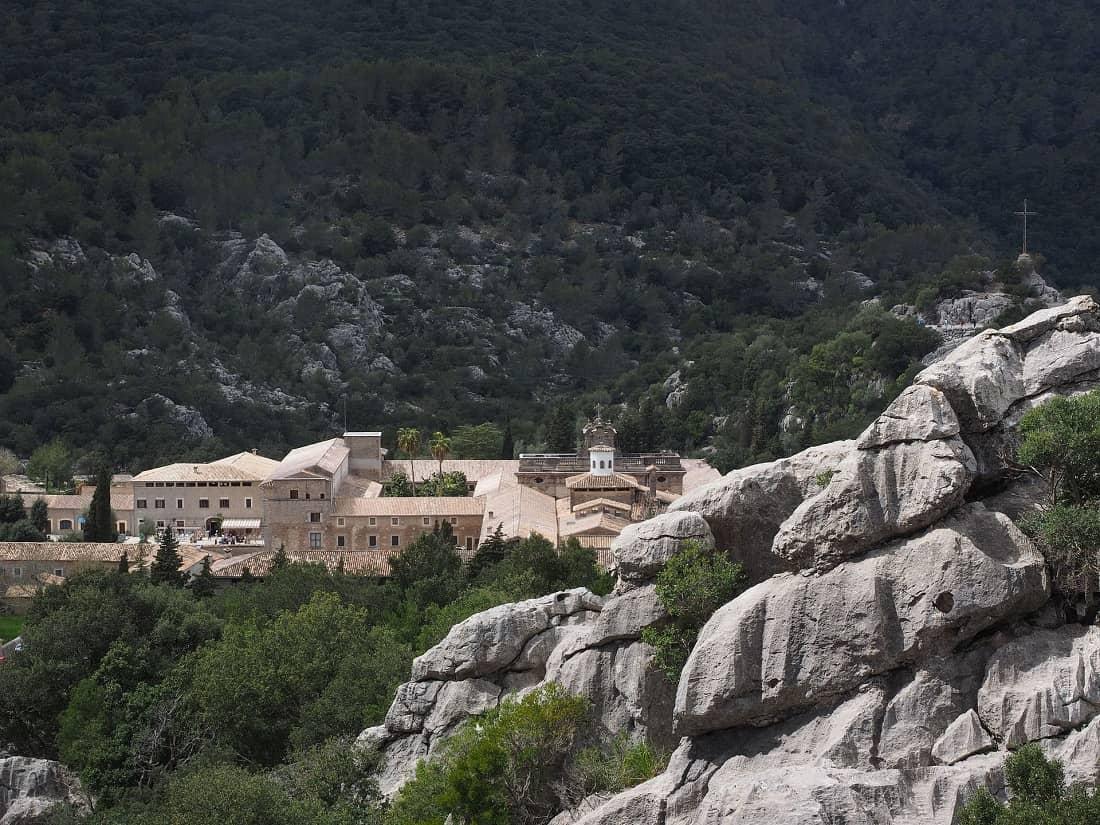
{"x":905,"y":646}
{"x":29,"y":788}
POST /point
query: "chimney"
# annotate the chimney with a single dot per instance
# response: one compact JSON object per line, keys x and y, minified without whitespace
{"x":651,"y":480}
{"x":255,"y":451}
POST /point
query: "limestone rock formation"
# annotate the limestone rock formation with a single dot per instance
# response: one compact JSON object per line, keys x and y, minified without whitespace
{"x":793,"y":640}
{"x":746,"y":507}
{"x":29,"y":788}
{"x":897,"y":642}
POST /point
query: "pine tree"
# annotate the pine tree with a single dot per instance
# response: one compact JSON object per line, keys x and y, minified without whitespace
{"x":40,"y":516}
{"x":167,"y":562}
{"x":508,"y":443}
{"x":280,"y":559}
{"x":100,"y":525}
{"x":204,"y":585}
{"x":561,"y":430}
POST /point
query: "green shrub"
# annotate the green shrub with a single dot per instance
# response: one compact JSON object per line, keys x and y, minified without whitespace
{"x":615,"y":766}
{"x":502,"y":768}
{"x":693,"y":584}
{"x":1038,"y":796}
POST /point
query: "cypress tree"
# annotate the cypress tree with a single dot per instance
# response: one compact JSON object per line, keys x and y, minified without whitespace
{"x":561,"y":430}
{"x":167,"y":562}
{"x":124,"y":563}
{"x":40,"y":516}
{"x":508,"y":443}
{"x":280,"y":559}
{"x":100,"y":525}
{"x":204,"y":585}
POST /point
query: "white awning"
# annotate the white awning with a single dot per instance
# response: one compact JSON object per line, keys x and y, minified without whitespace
{"x":241,"y":524}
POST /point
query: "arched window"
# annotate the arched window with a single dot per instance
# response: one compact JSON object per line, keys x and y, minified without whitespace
{"x":66,"y":524}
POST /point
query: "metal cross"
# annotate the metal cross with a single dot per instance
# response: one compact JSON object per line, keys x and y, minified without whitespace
{"x":1024,"y":214}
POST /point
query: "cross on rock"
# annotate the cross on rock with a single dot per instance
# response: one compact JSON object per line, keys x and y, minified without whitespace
{"x":1024,"y":214}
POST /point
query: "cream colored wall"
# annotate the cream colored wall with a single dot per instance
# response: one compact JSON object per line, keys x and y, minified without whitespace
{"x":192,"y":516}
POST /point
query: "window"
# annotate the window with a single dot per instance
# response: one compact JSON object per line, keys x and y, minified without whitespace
{"x":204,"y":504}
{"x":122,"y":527}
{"x":179,"y":503}
{"x":65,"y":524}
{"x":315,"y":541}
{"x":179,"y":523}
{"x":427,"y":521}
{"x":314,"y":518}
{"x":395,"y":541}
{"x":307,"y":496}
{"x":372,"y":541}
{"x":395,"y":521}
{"x":223,"y":503}
{"x":469,"y":542}
{"x":248,"y":504}
{"x":340,"y":522}
{"x":372,"y":521}
{"x":322,"y":495}
{"x":158,"y":503}
{"x":17,"y":572}
{"x":294,"y":494}
{"x":661,"y":479}
{"x":59,"y":571}
{"x":160,"y":524}
{"x":340,"y":541}
{"x":454,"y":520}
{"x":141,"y":504}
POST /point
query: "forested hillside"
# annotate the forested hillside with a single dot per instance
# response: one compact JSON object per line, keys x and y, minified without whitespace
{"x":226,"y":222}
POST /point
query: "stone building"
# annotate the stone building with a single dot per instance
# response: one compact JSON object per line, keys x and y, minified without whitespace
{"x":67,"y":513}
{"x":27,"y":566}
{"x":198,"y":498}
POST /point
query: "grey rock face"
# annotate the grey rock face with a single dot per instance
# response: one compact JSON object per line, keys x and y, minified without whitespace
{"x":1042,"y":685}
{"x":877,"y":494}
{"x":29,"y":788}
{"x":981,"y":379}
{"x":642,"y":549}
{"x":965,"y":737}
{"x":746,"y":507}
{"x":918,"y":414}
{"x":792,"y":641}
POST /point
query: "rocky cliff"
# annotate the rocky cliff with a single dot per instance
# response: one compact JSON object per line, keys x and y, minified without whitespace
{"x":897,"y":641}
{"x":29,"y":788}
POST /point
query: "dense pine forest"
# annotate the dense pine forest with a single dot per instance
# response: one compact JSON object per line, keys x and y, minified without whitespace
{"x":227,"y":223}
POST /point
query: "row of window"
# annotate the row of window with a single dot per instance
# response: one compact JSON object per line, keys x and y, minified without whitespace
{"x":315,"y":541}
{"x":204,"y":504}
{"x":395,"y":521}
{"x":196,"y":484}
{"x":17,"y":572}
{"x":294,"y":495}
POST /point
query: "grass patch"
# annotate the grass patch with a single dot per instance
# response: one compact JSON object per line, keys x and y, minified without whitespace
{"x":10,"y":627}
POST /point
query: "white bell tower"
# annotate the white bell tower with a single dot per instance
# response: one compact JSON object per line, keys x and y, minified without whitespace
{"x":601,"y":460}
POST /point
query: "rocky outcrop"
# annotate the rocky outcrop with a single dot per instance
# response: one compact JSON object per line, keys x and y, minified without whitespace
{"x":745,"y":508}
{"x":794,"y":640}
{"x":29,"y":788}
{"x":904,"y":645}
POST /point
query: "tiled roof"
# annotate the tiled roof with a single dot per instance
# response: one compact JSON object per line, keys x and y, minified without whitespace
{"x":598,"y":522}
{"x":324,"y":457}
{"x":601,"y":502}
{"x":615,"y":481}
{"x":66,"y":551}
{"x":355,"y":562}
{"x":520,"y":511}
{"x":410,"y":506}
{"x":59,"y":502}
{"x":474,"y":469}
{"x":259,"y":466}
{"x":195,"y":472}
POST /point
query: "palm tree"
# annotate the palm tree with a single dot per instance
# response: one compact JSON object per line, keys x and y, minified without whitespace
{"x":408,"y":441}
{"x":441,"y":448}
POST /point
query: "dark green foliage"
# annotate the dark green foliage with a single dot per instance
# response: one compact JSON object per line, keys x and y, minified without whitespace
{"x":40,"y":515}
{"x":204,"y":585}
{"x":476,"y":441}
{"x":1060,"y":441}
{"x":167,"y":561}
{"x":100,"y":524}
{"x":11,"y":509}
{"x":1038,"y":795}
{"x":431,"y":565}
{"x":508,"y":443}
{"x":693,"y":584}
{"x":609,"y":767}
{"x":561,"y":430}
{"x":14,"y":523}
{"x":500,"y":769}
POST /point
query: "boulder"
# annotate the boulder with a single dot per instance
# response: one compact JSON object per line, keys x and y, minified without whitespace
{"x":982,"y":378}
{"x":1042,"y":685}
{"x":642,"y":549}
{"x":964,"y":737}
{"x":746,"y":507}
{"x":490,"y":641}
{"x":1059,"y":357}
{"x":919,"y":414}
{"x":1077,"y":314}
{"x":29,"y":788}
{"x":794,"y":641}
{"x":876,"y":494}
